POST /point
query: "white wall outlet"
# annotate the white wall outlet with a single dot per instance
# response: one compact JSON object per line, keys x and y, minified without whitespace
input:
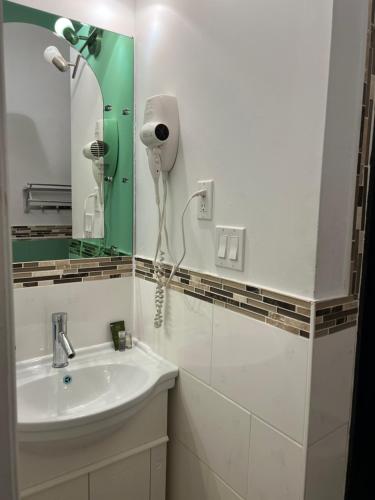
{"x":230,"y":247}
{"x":205,"y":203}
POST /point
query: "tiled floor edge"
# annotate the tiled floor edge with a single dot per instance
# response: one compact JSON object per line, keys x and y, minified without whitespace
{"x":42,"y":273}
{"x":283,"y":311}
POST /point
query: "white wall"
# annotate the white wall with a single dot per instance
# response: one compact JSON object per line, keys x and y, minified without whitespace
{"x":251,"y":82}
{"x":252,"y":86}
{"x":232,"y":438}
{"x":340,"y":158}
{"x":86,"y":110}
{"x":38,"y":119}
{"x":113,"y":15}
{"x":90,"y":305}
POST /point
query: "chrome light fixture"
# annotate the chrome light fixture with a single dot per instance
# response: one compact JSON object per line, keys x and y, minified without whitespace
{"x":64,"y":28}
{"x":53,"y":56}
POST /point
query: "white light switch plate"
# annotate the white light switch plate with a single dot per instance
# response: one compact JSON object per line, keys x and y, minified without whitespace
{"x":232,"y":257}
{"x":205,"y":203}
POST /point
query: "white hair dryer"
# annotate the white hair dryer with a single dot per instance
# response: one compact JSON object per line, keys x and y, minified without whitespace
{"x":93,"y":209}
{"x":160,"y":134}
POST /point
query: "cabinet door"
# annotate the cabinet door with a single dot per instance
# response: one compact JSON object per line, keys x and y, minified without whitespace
{"x":125,"y":480}
{"x":77,"y":489}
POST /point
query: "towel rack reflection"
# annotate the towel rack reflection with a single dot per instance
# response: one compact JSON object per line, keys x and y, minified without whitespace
{"x":33,"y":200}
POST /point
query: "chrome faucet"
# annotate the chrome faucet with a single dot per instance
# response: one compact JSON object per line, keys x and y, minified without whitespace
{"x":62,"y":348}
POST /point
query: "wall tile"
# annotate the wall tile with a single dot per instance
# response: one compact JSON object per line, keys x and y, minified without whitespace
{"x":91,"y":306}
{"x":261,"y":368}
{"x":331,"y":383}
{"x":326,"y":467}
{"x":186,"y":335}
{"x":213,"y":428}
{"x":276,"y":469}
{"x":190,"y":479}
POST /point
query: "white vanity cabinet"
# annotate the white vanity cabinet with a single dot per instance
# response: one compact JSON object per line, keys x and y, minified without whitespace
{"x":102,"y":434}
{"x":126,"y":463}
{"x":129,"y":478}
{"x":139,"y":477}
{"x":77,"y":489}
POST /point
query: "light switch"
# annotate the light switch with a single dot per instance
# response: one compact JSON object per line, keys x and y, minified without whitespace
{"x":233,"y":247}
{"x":222,"y":253}
{"x":230,"y":251}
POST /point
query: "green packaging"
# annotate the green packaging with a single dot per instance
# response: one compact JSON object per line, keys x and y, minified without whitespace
{"x":116,"y":327}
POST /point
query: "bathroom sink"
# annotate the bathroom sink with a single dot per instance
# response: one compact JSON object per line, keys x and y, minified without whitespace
{"x":99,"y":389}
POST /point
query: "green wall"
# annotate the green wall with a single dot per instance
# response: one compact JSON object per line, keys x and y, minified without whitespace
{"x":44,"y":249}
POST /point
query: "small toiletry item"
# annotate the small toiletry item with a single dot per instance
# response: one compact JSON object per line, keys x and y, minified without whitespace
{"x":128,"y":340}
{"x":121,"y":340}
{"x":116,"y":327}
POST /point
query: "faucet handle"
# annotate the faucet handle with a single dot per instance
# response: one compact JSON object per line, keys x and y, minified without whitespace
{"x":60,"y":318}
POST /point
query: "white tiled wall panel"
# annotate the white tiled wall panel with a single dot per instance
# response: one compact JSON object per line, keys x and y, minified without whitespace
{"x":213,"y":428}
{"x":331,"y":383}
{"x":91,"y":306}
{"x":190,"y":479}
{"x":261,"y":368}
{"x":231,"y":368}
{"x":326,"y":467}
{"x":186,"y":335}
{"x":276,"y":467}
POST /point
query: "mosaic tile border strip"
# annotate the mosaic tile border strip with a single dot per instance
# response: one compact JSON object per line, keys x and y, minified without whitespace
{"x":364,"y":158}
{"x":335,"y":315}
{"x":288,"y":313}
{"x":42,"y":273}
{"x":285,"y":312}
{"x":41,"y":232}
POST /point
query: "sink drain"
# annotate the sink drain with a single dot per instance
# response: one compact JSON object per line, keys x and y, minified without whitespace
{"x":67,"y":379}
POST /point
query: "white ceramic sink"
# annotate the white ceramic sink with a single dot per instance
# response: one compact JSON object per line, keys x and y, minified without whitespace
{"x":100,"y":388}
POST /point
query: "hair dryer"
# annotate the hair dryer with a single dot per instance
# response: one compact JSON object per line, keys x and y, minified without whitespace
{"x":160,"y":133}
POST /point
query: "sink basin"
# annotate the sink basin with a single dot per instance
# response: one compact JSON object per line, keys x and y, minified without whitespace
{"x":99,"y":389}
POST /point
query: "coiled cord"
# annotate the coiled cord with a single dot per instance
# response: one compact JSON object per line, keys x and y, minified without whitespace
{"x":161,"y":282}
{"x":159,"y":292}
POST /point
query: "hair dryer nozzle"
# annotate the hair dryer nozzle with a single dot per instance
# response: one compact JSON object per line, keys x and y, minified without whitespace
{"x":154,"y":134}
{"x":95,"y":150}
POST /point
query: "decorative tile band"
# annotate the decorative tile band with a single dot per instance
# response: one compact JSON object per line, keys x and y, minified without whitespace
{"x":41,"y":232}
{"x":39,"y":273}
{"x":335,"y":315}
{"x":282,"y":311}
{"x":364,"y":159}
{"x":285,"y":312}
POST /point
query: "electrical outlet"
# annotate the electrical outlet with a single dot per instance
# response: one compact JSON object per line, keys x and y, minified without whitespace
{"x":205,"y":203}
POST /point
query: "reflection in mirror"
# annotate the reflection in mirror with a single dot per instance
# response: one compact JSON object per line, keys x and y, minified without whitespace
{"x":69,"y":96}
{"x":87,"y":154}
{"x":55,"y":123}
{"x":38,"y":128}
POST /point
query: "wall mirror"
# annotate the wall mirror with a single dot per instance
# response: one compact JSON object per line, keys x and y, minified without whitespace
{"x":69,"y":98}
